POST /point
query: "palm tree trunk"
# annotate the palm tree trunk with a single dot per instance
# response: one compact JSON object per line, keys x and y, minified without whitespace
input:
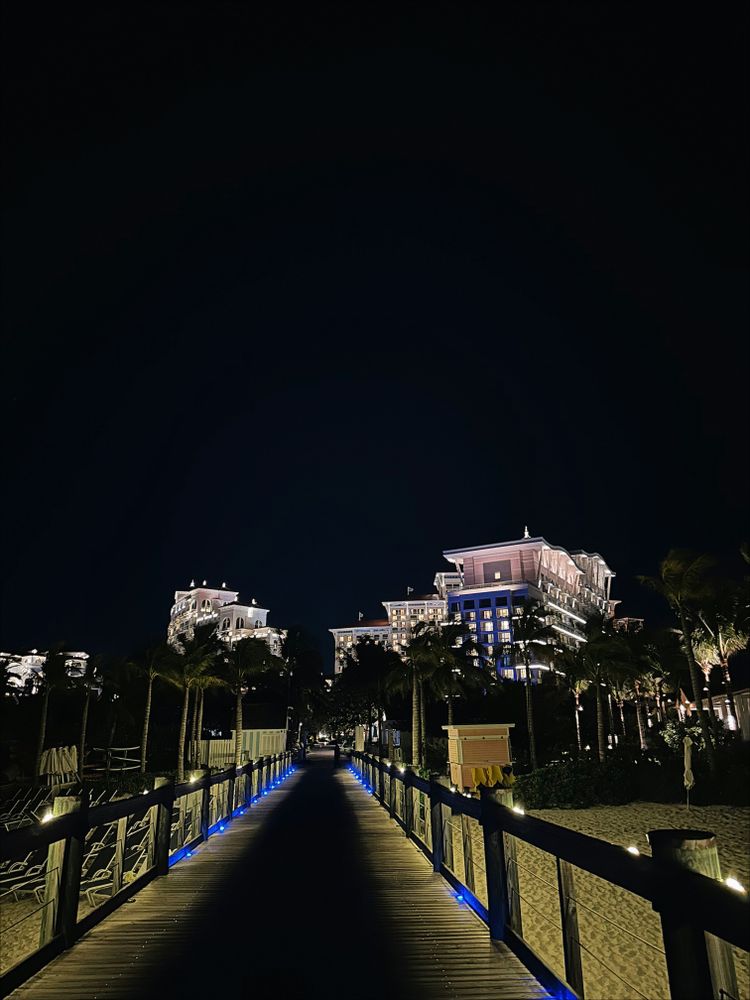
{"x":84,"y":725}
{"x":42,"y":735}
{"x":611,"y":717}
{"x":697,"y":693}
{"x":577,"y":710}
{"x":530,"y":719}
{"x":146,"y":721}
{"x":238,"y":727}
{"x":414,"y":722}
{"x":192,"y":728}
{"x":422,"y":727}
{"x":182,"y":735}
{"x":450,"y":710}
{"x":659,"y":705}
{"x":620,"y":706}
{"x":600,"y":736}
{"x":639,"y":717}
{"x":726,"y":681}
{"x":200,"y":730}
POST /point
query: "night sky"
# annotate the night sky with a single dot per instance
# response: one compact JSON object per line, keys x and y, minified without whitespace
{"x":297,"y":302}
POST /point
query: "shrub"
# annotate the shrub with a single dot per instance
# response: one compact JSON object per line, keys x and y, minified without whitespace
{"x":625,"y":776}
{"x":674,"y":732}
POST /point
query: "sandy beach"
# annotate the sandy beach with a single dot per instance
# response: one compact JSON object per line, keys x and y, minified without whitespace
{"x":621,"y":942}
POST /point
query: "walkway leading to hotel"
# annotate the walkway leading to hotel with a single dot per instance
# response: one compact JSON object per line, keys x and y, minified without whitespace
{"x":313,"y":893}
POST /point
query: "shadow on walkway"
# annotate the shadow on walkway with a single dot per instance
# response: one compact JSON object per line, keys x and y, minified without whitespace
{"x":298,"y":923}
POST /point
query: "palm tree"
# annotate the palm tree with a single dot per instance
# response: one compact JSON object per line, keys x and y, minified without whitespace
{"x":195,"y":659}
{"x":683,"y":584}
{"x":403,"y":679}
{"x":596,"y":662}
{"x":578,"y":682}
{"x":154,"y":662}
{"x":722,"y":631}
{"x":449,"y":657}
{"x":116,"y":677}
{"x":531,"y":634}
{"x":90,"y":681}
{"x":53,"y":676}
{"x":243,"y":661}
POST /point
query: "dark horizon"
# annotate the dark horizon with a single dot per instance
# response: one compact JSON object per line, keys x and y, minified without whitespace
{"x":299,"y":303}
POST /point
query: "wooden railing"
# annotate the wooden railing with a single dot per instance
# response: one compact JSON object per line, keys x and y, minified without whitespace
{"x":83,"y":862}
{"x":476,"y":844}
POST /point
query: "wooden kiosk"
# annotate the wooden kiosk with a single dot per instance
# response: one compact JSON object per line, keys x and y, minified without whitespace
{"x":476,"y":746}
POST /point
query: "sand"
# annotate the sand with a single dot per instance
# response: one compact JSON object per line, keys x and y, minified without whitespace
{"x":620,"y":934}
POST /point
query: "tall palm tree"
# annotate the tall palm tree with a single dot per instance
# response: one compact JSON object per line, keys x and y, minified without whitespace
{"x":532,"y":637}
{"x":403,"y":679}
{"x":153,"y":664}
{"x":448,"y":657}
{"x":247,"y":659}
{"x":196,"y":658}
{"x":53,"y":676}
{"x":578,"y":682}
{"x":90,"y":681}
{"x":723,"y":630}
{"x":684,"y":585}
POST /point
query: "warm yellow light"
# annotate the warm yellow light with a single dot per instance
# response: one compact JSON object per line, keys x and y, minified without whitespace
{"x":734,"y":884}
{"x":519,"y":810}
{"x":47,"y":817}
{"x":632,"y":850}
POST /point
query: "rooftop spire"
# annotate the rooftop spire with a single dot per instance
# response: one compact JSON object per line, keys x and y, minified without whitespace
{"x":526,"y":531}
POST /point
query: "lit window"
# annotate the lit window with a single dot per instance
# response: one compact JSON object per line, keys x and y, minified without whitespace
{"x":486,"y":614}
{"x":502,"y":612}
{"x":471,"y":616}
{"x":487,"y":627}
{"x":225,"y":623}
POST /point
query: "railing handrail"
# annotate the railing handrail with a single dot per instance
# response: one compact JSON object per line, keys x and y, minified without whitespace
{"x":703,"y":901}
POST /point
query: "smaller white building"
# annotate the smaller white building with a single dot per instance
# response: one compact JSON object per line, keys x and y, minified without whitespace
{"x":25,"y":669}
{"x":345,"y":639}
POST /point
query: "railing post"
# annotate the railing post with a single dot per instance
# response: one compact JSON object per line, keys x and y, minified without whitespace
{"x":494,"y":863}
{"x":392,"y":793}
{"x":408,"y":805}
{"x":698,"y":964}
{"x":381,"y":782}
{"x":436,"y":826}
{"x":515,"y":921}
{"x":206,"y":806}
{"x":69,"y":885}
{"x":119,"y":860}
{"x":569,"y":918}
{"x":163,"y":824}
{"x":230,"y":794}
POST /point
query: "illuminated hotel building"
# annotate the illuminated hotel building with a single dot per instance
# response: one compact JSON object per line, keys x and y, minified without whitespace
{"x":496,"y":578}
{"x":395,"y":631}
{"x":219,"y":606}
{"x":25,"y":669}
{"x":345,"y":639}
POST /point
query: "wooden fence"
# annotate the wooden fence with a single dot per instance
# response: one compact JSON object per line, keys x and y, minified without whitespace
{"x":694,"y":911}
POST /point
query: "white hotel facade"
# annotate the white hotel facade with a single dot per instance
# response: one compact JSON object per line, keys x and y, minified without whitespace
{"x":222,"y":608}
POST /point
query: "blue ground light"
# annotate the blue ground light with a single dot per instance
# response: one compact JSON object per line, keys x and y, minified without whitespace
{"x":221,"y":826}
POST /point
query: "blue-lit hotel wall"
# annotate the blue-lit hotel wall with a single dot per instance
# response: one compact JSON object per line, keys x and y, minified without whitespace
{"x":489,"y":615}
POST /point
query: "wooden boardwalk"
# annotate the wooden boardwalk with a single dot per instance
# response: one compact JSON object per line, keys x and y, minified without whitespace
{"x":446,"y":949}
{"x":314,"y":892}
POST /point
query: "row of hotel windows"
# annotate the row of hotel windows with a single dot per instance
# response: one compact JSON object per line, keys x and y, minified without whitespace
{"x":239,"y":623}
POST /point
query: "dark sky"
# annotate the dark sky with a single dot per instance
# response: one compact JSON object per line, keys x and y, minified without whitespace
{"x":296,"y":302}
